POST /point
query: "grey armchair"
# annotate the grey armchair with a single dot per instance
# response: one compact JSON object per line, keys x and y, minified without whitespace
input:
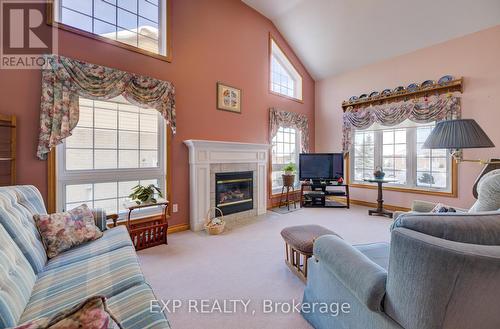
{"x":440,"y":271}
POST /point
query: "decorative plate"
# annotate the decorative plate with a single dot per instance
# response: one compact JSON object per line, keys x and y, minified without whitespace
{"x":428,"y":83}
{"x":398,"y":89}
{"x":362,"y":96}
{"x":445,"y":80}
{"x":386,"y":92}
{"x":374,"y":94}
{"x":353,"y":98}
{"x":412,"y":87}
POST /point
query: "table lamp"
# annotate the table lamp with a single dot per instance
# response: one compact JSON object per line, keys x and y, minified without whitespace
{"x":456,"y":135}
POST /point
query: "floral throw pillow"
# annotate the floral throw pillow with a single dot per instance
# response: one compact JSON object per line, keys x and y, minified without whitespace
{"x":90,"y":314}
{"x":62,"y":231}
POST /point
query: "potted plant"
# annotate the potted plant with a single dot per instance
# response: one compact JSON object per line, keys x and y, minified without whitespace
{"x":290,"y":169}
{"x":288,"y":176}
{"x":145,"y":194}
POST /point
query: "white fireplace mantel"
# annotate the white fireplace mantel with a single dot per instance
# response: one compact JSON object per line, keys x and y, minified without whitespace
{"x":204,"y":153}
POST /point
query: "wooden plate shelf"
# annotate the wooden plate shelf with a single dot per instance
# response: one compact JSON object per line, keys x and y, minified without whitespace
{"x":452,"y":86}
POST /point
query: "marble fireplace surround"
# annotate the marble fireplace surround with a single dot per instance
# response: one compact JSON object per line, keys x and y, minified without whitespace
{"x":206,"y":158}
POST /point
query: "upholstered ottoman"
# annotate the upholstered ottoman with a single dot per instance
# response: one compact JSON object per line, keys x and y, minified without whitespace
{"x":299,"y":242}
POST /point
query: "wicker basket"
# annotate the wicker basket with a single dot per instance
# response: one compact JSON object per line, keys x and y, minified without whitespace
{"x":214,"y":229}
{"x":288,"y":180}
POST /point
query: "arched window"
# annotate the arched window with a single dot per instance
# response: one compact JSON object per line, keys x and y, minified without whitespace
{"x":285,"y":80}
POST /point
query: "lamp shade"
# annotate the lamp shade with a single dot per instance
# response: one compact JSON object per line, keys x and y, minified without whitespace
{"x":457,"y":134}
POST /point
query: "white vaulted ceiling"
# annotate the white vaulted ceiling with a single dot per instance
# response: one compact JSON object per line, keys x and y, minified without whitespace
{"x":333,"y":36}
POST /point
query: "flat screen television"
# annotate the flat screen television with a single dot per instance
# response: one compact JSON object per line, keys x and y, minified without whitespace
{"x":321,"y":166}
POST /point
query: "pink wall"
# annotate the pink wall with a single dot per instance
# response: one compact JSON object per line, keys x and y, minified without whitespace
{"x":475,"y":57}
{"x":216,"y":40}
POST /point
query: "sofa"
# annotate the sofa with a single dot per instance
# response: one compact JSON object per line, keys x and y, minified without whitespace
{"x":32,"y":286}
{"x":419,"y":206}
{"x":440,"y":271}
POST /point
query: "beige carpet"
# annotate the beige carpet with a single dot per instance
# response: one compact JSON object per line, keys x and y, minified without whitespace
{"x":245,"y":263}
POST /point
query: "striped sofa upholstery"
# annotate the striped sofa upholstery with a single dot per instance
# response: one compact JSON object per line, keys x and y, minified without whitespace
{"x":17,"y":219}
{"x":31,"y":287}
{"x":17,"y":279}
{"x":107,"y":275}
{"x":112,"y":240}
{"x":132,"y":308}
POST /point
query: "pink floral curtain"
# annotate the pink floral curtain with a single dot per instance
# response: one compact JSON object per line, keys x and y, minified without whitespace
{"x":422,"y":110}
{"x":64,"y":80}
{"x":290,"y":120}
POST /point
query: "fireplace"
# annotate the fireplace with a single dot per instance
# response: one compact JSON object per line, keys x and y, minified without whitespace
{"x":234,"y":191}
{"x":207,"y":158}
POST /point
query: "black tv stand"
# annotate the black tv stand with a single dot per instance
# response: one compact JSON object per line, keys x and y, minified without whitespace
{"x":315,"y":194}
{"x":316,"y":182}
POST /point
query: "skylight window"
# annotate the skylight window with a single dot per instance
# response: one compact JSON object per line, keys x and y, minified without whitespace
{"x":285,"y":80}
{"x":141,"y":24}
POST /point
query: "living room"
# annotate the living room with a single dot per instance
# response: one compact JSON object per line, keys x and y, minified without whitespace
{"x":251,"y":164}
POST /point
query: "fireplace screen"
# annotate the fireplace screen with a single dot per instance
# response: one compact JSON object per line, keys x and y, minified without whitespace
{"x":234,"y":192}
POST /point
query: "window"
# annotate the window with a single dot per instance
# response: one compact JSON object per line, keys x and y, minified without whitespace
{"x":394,"y":159}
{"x":432,"y":165}
{"x":285,"y":150}
{"x":364,"y":154}
{"x":285,"y":80}
{"x":114,"y":147}
{"x":398,"y":150}
{"x":138,"y":23}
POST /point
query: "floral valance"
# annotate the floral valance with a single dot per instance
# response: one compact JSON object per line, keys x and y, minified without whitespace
{"x":64,"y":80}
{"x":290,"y":120}
{"x":422,"y":110}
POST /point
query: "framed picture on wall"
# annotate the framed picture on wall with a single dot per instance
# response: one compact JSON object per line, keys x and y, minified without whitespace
{"x":228,"y":98}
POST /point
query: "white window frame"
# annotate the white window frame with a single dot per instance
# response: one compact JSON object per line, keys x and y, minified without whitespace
{"x":411,"y":161}
{"x":277,"y":53}
{"x":163,"y":25}
{"x":277,"y":189}
{"x":71,"y":177}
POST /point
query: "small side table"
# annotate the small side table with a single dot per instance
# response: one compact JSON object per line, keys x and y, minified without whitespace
{"x":380,"y":211}
{"x":149,"y":232}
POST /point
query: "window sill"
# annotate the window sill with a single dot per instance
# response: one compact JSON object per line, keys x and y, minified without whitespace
{"x":61,"y":26}
{"x":287,"y":97}
{"x":450,"y":194}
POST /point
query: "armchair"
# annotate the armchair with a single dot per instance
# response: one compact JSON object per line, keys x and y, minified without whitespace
{"x":440,"y":271}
